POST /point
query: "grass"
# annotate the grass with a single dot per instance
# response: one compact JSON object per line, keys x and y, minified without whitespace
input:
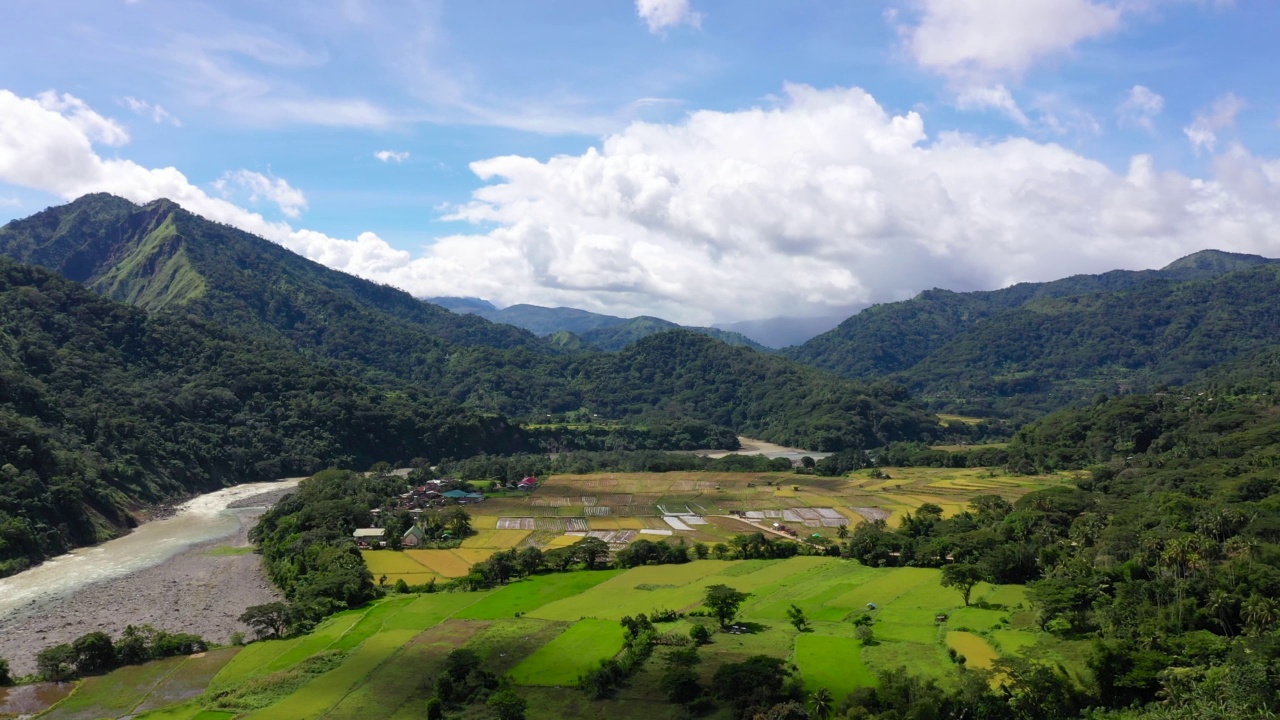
{"x":978,"y":653}
{"x":834,"y":663}
{"x":532,"y":593}
{"x":115,"y":694}
{"x":544,"y":631}
{"x":228,"y":551}
{"x":967,"y":420}
{"x":573,"y":652}
{"x":442,"y":562}
{"x":395,"y":566}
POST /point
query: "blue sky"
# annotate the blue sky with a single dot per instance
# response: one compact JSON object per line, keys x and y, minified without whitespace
{"x":701,"y":160}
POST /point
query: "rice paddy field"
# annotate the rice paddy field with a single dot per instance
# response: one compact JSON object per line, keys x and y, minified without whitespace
{"x":543,"y":632}
{"x":696,"y":506}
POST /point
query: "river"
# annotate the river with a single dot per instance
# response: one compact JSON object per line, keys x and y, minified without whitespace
{"x":198,"y":520}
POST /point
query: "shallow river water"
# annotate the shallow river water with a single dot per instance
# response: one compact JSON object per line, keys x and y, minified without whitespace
{"x":198,"y":520}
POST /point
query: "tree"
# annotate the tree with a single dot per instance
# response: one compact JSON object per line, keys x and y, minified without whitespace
{"x":757,"y":681}
{"x":506,"y":705}
{"x":559,"y":558}
{"x":842,"y":532}
{"x":822,"y":702}
{"x":435,"y":709}
{"x":701,"y":550}
{"x":530,"y":560}
{"x":56,"y":663}
{"x":94,"y":653}
{"x":134,"y":645}
{"x":724,"y":601}
{"x":591,"y":551}
{"x":700,"y":634}
{"x":797,"y":618}
{"x":268,"y":620}
{"x":1259,"y":614}
{"x":865,"y":634}
{"x":5,"y":678}
{"x":962,"y":576}
{"x":680,"y":684}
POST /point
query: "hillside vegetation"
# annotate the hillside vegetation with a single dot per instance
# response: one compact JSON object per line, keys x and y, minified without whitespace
{"x":165,"y":259}
{"x":105,"y":408}
{"x":1035,"y":347}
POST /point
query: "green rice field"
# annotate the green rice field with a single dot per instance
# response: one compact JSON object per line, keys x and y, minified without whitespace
{"x":542,"y":633}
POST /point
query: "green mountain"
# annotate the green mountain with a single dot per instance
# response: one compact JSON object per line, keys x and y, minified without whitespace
{"x":615,"y":337}
{"x":602,"y":332}
{"x":105,"y":408}
{"x":1034,"y":347}
{"x":161,"y":257}
{"x":164,"y":259}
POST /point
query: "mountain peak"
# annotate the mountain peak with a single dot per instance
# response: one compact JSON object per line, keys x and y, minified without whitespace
{"x":1218,"y":261}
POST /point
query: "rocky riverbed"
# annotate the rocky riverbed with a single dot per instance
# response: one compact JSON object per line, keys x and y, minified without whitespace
{"x":202,"y":590}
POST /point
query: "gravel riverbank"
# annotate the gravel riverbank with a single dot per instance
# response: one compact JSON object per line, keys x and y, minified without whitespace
{"x":202,"y":590}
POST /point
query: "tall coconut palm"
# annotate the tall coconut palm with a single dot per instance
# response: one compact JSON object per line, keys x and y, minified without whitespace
{"x":1219,"y":605}
{"x":842,"y":532}
{"x":822,"y":702}
{"x":1259,"y":614}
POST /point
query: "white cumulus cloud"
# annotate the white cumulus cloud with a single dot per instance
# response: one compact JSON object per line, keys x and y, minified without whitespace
{"x":1140,"y":107}
{"x":987,"y":38}
{"x":93,"y":126}
{"x":52,"y":151}
{"x":661,"y":14}
{"x":819,"y":204}
{"x":1203,"y":130}
{"x":395,"y":156}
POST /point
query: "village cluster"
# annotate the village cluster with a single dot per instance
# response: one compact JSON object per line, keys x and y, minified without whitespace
{"x":432,"y":495}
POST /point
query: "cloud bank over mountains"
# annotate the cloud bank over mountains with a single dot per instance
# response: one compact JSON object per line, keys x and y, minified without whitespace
{"x":820,"y":202}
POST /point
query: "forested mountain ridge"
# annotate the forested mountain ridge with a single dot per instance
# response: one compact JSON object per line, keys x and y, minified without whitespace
{"x":160,"y":256}
{"x":166,"y":259}
{"x":1051,"y":344}
{"x":105,"y":408}
{"x":892,"y":337}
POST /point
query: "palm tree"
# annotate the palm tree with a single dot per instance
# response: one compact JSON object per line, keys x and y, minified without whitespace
{"x":842,"y":532}
{"x":822,"y":702}
{"x":1259,"y":614}
{"x":1219,"y":605}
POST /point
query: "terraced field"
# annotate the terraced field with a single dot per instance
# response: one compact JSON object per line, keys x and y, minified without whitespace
{"x":544,"y":631}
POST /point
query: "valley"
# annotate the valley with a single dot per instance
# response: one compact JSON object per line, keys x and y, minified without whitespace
{"x":1015,"y":504}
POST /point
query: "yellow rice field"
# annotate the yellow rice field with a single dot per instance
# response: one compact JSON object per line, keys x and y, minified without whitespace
{"x":444,"y":562}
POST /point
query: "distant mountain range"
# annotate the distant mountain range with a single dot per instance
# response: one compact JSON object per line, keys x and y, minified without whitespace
{"x":602,"y":332}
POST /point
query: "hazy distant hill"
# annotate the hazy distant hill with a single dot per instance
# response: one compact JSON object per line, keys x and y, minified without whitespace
{"x":603,"y":332}
{"x":781,"y":332}
{"x":1038,"y":346}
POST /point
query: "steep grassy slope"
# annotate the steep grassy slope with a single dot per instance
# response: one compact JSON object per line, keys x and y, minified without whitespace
{"x":161,"y":257}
